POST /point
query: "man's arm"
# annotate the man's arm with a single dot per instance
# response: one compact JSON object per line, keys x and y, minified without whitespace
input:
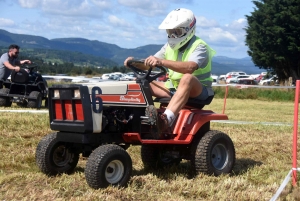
{"x":25,"y":62}
{"x":11,"y":67}
{"x":180,"y":66}
{"x":177,"y":66}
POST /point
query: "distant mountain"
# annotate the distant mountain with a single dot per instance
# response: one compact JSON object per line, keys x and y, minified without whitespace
{"x":221,"y":64}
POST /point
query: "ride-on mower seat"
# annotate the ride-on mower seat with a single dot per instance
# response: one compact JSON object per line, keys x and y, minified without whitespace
{"x":21,"y":77}
{"x":194,"y":103}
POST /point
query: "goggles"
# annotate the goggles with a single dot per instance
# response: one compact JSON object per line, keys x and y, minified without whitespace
{"x":176,"y":33}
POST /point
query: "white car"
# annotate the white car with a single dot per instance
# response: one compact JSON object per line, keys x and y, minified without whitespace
{"x":215,"y":79}
{"x":128,"y":77}
{"x":235,"y":79}
{"x":105,"y":76}
{"x":268,"y":81}
{"x":234,"y":74}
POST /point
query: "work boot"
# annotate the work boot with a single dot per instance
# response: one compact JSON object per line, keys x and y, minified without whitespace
{"x":162,"y":123}
{"x":160,"y":120}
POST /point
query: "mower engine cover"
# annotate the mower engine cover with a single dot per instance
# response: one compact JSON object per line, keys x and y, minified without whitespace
{"x":79,"y":108}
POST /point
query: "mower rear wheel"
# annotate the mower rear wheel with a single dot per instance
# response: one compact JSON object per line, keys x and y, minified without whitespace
{"x":213,"y":154}
{"x":156,"y":157}
{"x":35,"y":100}
{"x":54,"y":157}
{"x":108,"y":165}
{"x":4,"y":100}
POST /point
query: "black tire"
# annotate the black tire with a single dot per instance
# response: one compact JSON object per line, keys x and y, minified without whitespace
{"x":155,"y":157}
{"x":35,"y":100}
{"x":213,"y":154}
{"x":108,"y":165}
{"x":54,"y":157}
{"x":4,"y":100}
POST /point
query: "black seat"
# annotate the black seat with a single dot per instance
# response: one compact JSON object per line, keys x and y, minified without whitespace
{"x":192,"y":102}
{"x":21,"y":77}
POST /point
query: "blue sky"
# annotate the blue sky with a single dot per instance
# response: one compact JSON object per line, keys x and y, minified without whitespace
{"x":128,"y":23}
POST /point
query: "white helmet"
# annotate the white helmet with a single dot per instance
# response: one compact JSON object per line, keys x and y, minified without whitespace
{"x":180,"y":25}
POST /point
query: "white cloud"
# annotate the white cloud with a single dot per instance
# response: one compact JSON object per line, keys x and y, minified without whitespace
{"x":102,"y":4}
{"x":29,"y":3}
{"x":204,"y":23}
{"x":6,"y":22}
{"x":217,"y":35}
{"x":114,"y":20}
{"x":237,"y":24}
{"x":145,"y":7}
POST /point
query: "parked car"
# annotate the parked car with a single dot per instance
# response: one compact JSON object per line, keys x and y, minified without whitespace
{"x":215,"y":79}
{"x":128,"y":77}
{"x":222,"y":79}
{"x":246,"y":81}
{"x":105,"y":76}
{"x":234,"y":74}
{"x":236,"y":78}
{"x":269,"y":81}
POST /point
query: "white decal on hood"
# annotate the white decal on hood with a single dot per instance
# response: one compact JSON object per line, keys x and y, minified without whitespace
{"x":129,"y":99}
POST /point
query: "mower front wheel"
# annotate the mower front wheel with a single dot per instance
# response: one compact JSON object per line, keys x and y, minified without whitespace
{"x":54,"y":157}
{"x":35,"y":100}
{"x":108,"y":165}
{"x":213,"y":154}
{"x":4,"y":100}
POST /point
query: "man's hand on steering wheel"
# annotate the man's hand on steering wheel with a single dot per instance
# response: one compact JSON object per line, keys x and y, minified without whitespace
{"x":153,"y":61}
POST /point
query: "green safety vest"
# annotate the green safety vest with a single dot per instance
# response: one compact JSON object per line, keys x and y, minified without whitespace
{"x":203,"y":74}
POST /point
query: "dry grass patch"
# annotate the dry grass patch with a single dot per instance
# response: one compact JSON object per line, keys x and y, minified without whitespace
{"x":263,"y":159}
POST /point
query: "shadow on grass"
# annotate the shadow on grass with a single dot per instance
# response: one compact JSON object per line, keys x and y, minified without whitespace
{"x":184,"y":169}
{"x":242,"y":165}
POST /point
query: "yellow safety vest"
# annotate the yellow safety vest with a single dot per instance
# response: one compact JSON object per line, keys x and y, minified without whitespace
{"x":203,"y":74}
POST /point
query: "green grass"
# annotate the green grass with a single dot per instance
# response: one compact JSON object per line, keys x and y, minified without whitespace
{"x":263,"y":159}
{"x":267,"y":94}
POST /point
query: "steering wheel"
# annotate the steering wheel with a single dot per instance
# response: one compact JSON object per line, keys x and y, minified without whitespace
{"x":30,"y":67}
{"x":144,"y":72}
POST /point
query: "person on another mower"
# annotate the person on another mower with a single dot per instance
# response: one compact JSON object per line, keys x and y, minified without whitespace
{"x":9,"y":62}
{"x":188,"y":59}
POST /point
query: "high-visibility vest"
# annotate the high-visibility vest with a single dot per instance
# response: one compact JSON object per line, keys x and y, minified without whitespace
{"x":203,"y":74}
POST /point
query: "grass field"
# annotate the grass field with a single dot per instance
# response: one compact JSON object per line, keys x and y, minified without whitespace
{"x":263,"y":159}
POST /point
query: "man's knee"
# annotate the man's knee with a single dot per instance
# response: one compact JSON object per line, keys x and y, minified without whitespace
{"x":187,"y":79}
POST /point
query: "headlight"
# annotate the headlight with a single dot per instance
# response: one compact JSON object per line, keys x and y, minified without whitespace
{"x":77,"y":93}
{"x":56,"y":93}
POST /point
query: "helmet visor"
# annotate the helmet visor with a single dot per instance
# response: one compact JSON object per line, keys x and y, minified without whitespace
{"x":176,"y":33}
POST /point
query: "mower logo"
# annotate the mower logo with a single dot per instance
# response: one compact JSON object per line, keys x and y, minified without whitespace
{"x":129,"y":99}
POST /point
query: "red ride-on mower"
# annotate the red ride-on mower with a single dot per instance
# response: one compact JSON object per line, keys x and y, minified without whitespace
{"x":101,"y":120}
{"x":27,"y":88}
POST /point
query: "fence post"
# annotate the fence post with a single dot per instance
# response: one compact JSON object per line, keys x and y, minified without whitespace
{"x":226,"y":92}
{"x":295,"y":134}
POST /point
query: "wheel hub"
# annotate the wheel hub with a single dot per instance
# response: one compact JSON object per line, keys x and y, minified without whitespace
{"x":114,"y":171}
{"x":61,"y":156}
{"x":219,"y":156}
